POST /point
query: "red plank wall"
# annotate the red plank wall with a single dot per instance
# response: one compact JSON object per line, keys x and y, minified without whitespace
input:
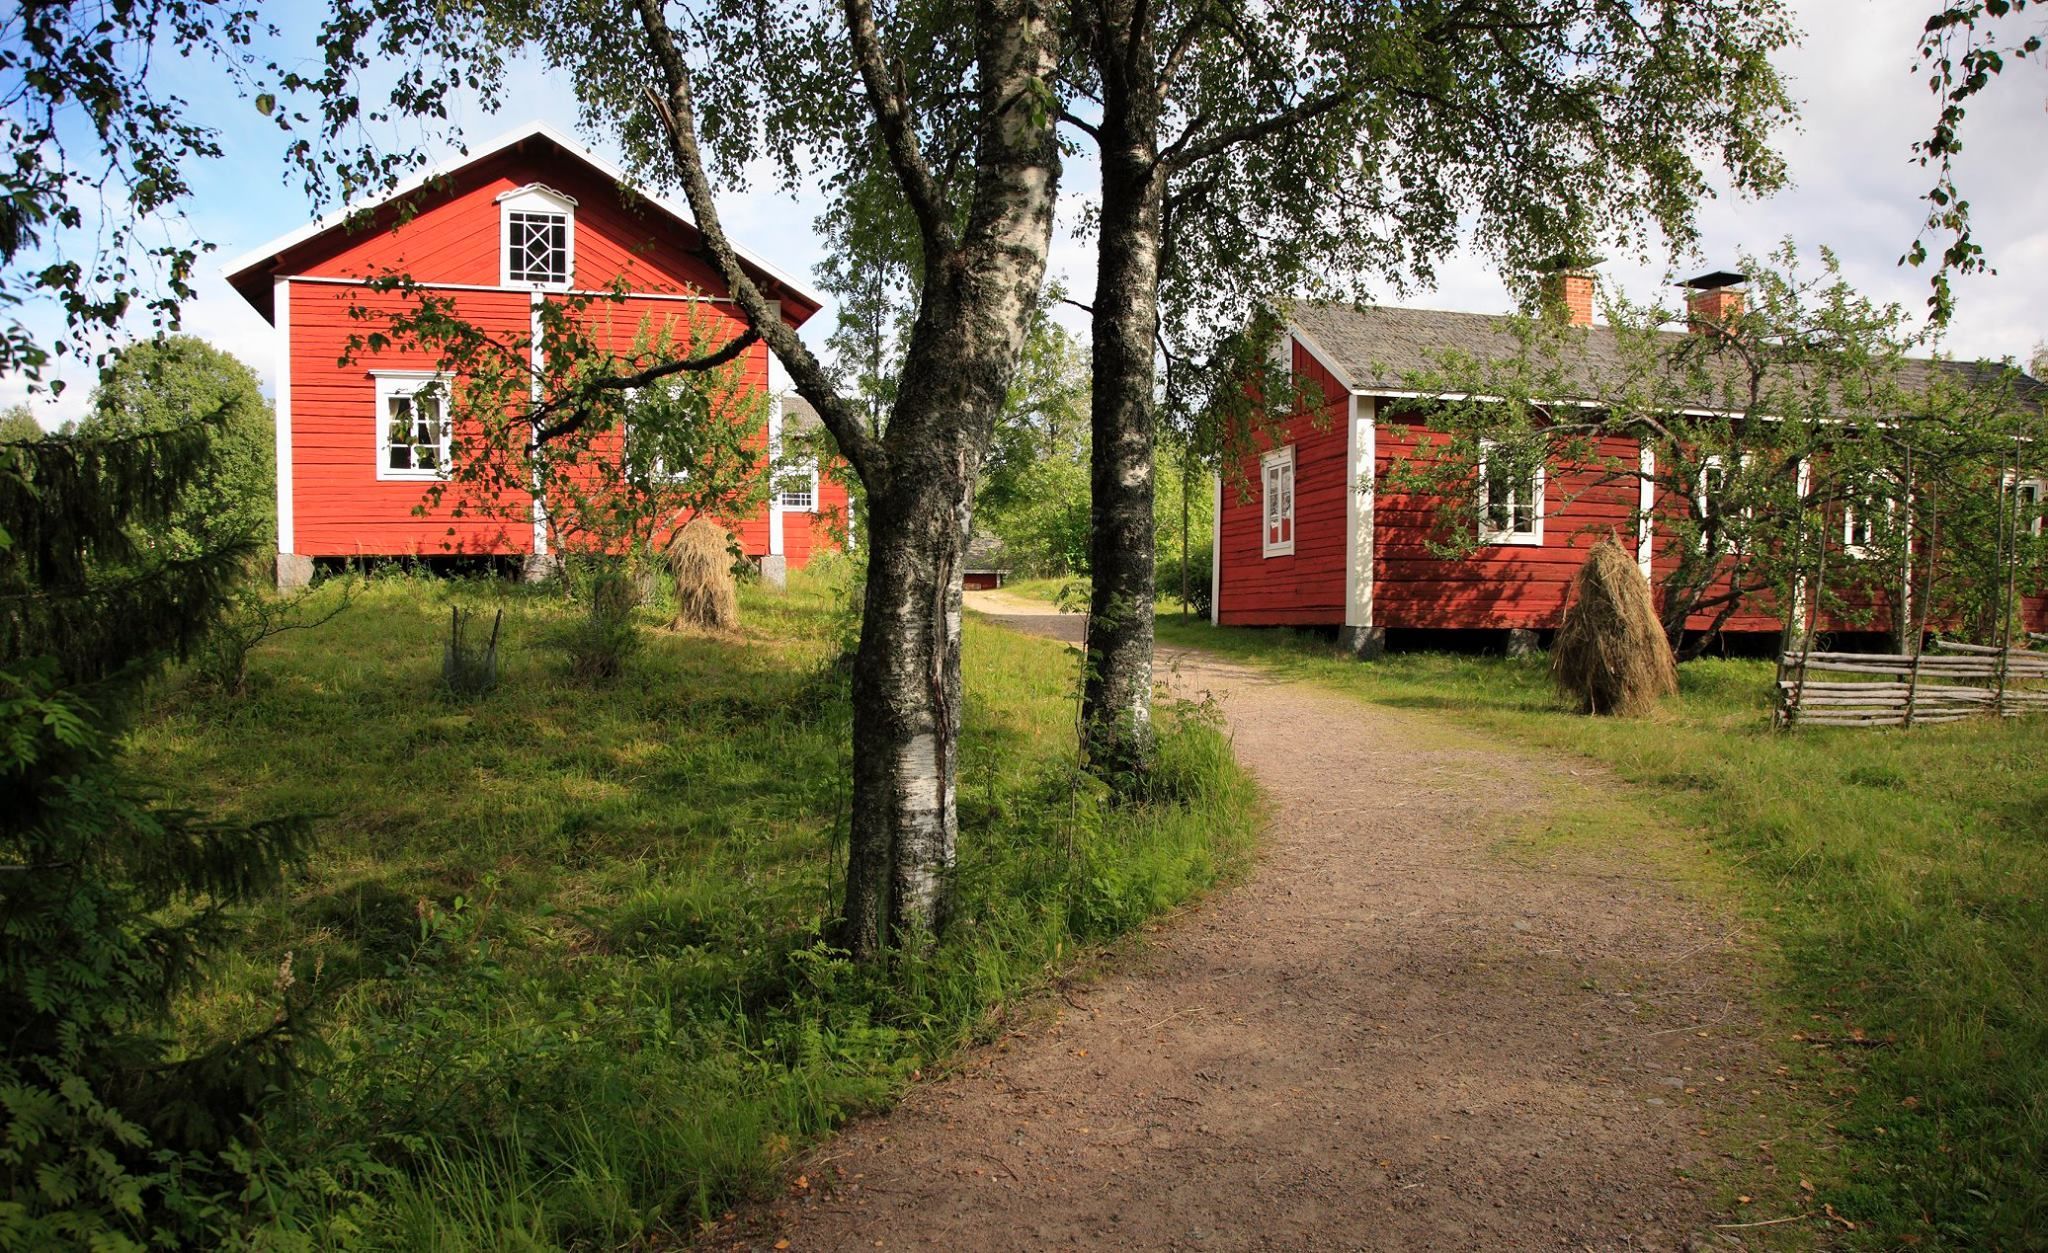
{"x":1499,"y":585}
{"x":1306,"y":588}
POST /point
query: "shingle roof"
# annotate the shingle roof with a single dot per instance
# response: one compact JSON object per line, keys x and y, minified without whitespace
{"x":985,"y":553}
{"x":1378,"y":348}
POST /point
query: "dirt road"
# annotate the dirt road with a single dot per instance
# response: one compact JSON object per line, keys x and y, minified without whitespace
{"x":1410,"y":1027}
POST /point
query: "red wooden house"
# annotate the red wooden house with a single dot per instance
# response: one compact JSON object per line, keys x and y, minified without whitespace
{"x":1315,"y":541}
{"x":529,"y":218}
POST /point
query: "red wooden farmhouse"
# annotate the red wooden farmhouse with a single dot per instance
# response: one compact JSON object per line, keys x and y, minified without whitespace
{"x":529,"y":218}
{"x":1313,"y":541}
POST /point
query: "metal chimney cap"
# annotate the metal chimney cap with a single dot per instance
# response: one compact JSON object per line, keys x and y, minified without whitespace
{"x":1715,"y":280}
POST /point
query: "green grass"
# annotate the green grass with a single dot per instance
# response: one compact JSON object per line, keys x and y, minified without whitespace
{"x":1900,"y":880}
{"x":561,"y":943}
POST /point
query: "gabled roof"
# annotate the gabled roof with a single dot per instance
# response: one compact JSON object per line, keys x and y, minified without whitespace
{"x":1374,"y":349}
{"x":249,"y":273}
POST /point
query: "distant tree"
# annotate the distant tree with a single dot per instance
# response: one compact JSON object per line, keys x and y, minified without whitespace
{"x":162,"y":384}
{"x":18,"y":422}
{"x":2037,"y":361}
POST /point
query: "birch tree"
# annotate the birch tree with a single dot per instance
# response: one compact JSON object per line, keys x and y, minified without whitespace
{"x":1255,"y":152}
{"x":960,"y":101}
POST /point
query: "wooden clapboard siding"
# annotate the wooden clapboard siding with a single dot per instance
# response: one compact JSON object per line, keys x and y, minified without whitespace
{"x":1307,"y":587}
{"x":342,"y":508}
{"x":1498,"y":585}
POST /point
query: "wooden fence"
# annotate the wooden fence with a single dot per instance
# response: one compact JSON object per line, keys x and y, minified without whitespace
{"x":1958,"y":681}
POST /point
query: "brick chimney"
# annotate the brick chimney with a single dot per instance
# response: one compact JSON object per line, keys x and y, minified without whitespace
{"x":1568,"y":292}
{"x":1713,"y":302}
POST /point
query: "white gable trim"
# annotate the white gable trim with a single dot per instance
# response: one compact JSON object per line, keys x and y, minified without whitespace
{"x":511,"y":138}
{"x":1322,"y":358}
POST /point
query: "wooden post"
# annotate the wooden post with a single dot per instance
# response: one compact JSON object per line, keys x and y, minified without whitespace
{"x":2011,"y":555}
{"x":1820,"y":580}
{"x":1926,"y":596}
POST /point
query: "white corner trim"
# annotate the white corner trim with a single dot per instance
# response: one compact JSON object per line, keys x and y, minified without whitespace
{"x":1646,"y":504}
{"x":774,"y":457}
{"x":1362,"y":455}
{"x":287,"y":521}
{"x":1216,"y":553}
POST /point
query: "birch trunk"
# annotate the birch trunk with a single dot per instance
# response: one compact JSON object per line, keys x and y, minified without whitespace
{"x":1117,"y":697}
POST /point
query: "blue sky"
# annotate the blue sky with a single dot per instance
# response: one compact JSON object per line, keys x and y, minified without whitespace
{"x":1855,"y":190}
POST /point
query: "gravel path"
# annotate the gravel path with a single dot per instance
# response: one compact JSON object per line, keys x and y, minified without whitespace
{"x":1409,"y":1027}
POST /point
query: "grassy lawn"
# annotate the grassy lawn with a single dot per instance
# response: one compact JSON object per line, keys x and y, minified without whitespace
{"x":561,"y":943}
{"x":1900,"y":880}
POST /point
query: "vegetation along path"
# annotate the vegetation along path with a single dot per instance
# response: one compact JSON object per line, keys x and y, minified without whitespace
{"x":1429,"y":1018}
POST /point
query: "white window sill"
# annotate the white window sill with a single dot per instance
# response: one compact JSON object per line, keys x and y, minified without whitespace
{"x":1512,"y":539}
{"x":1280,"y":550}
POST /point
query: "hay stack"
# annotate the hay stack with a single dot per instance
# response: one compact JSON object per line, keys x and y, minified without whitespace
{"x":700,"y":568}
{"x":1610,"y":655}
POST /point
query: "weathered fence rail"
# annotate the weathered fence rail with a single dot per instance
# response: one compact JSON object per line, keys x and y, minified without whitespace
{"x":1959,"y":681}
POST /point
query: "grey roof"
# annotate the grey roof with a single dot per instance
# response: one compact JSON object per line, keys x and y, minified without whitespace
{"x":798,"y":418}
{"x":985,"y":553}
{"x":1379,"y":348}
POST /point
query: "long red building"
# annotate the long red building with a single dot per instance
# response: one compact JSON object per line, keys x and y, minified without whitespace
{"x":530,"y":218}
{"x":1319,"y":534}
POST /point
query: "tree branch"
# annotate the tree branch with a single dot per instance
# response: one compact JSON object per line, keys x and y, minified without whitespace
{"x":678,"y":118}
{"x":1183,"y":152}
{"x":899,"y":133}
{"x":579,"y":410}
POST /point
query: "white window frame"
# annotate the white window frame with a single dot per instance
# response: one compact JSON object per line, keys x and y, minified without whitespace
{"x":1276,"y":471}
{"x":1853,"y":548}
{"x":1488,"y":533}
{"x":536,"y":198}
{"x":406,"y":384}
{"x":2034,"y":516}
{"x":1703,"y":500}
{"x":805,"y":501}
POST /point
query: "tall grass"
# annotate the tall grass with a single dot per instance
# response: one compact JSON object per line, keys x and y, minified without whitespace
{"x":563,"y":942}
{"x":1901,"y":876}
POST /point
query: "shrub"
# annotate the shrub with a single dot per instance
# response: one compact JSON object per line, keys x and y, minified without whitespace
{"x":601,"y":639}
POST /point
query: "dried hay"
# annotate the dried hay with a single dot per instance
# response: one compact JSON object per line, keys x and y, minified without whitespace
{"x":1610,"y":655}
{"x":700,"y":570}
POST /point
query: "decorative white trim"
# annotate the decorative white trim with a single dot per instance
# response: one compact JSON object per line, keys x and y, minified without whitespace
{"x":287,"y":519}
{"x":536,"y":199}
{"x":537,"y":390}
{"x":1646,"y":505}
{"x":462,"y":160}
{"x":1216,"y":554}
{"x":1805,"y":485}
{"x":1361,"y":454}
{"x":1532,"y":538}
{"x":1282,"y":459}
{"x":397,"y":384}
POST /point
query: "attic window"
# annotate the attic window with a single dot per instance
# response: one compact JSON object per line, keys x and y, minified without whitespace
{"x":539,"y":233}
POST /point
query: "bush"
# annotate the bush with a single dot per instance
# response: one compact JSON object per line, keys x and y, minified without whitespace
{"x":604,"y":636}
